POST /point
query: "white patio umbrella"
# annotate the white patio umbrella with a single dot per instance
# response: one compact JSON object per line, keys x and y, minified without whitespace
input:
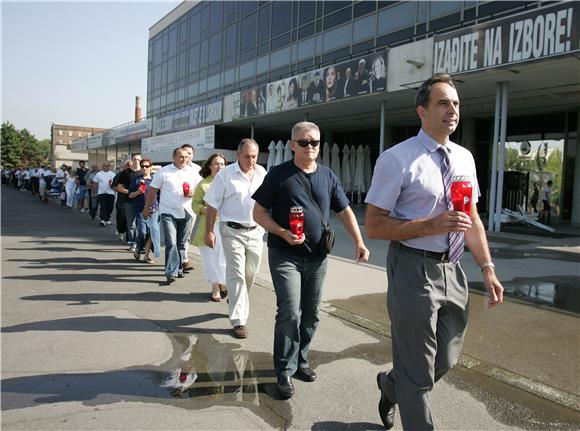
{"x":359,"y":177}
{"x":326,"y":155}
{"x":279,"y":154}
{"x":352,"y":162}
{"x":346,"y":178}
{"x":368,"y":167}
{"x":335,"y":163}
{"x":272,"y":155}
{"x":288,"y":151}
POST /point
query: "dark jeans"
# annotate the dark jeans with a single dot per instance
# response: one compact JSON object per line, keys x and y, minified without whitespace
{"x":130,"y":218}
{"x":142,"y":231}
{"x":120,"y":219}
{"x":106,"y":202}
{"x":298,"y":284}
{"x":175,"y":232}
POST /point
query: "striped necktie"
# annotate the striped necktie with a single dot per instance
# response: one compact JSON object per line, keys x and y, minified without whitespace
{"x":455,"y":238}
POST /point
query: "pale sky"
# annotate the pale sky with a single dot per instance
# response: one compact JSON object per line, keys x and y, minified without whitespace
{"x":78,"y":63}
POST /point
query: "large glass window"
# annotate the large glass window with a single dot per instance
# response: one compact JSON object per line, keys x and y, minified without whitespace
{"x":194,"y":59}
{"x":263,"y":64}
{"x":280,"y":41}
{"x":441,"y":8}
{"x":195,"y":28}
{"x":172,"y":69}
{"x":306,"y":48}
{"x":216,"y":16}
{"x":231,"y":40}
{"x":280,"y":58}
{"x":203,"y":54}
{"x":183,"y":30}
{"x":337,"y":18}
{"x":248,"y":32}
{"x":364,"y":28}
{"x":331,"y":6}
{"x":182,"y":66}
{"x":247,"y":70}
{"x":397,"y":17}
{"x":305,"y":31}
{"x":337,"y":37}
{"x":215,"y":48}
{"x":281,"y":17}
{"x":363,"y":7}
{"x":157,"y":50}
{"x":307,"y":11}
{"x":204,"y":26}
{"x":248,"y":6}
{"x":173,"y":42}
{"x":157,"y":78}
{"x":264,"y":23}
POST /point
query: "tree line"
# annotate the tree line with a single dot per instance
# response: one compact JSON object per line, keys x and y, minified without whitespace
{"x":22,"y":148}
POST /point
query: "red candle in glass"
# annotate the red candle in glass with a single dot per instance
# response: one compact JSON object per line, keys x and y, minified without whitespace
{"x":461,"y":194}
{"x":297,"y":220}
{"x":185,"y":189}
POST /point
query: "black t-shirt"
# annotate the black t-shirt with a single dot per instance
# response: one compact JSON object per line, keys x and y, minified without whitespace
{"x":81,"y":174}
{"x":282,"y":190}
{"x":125,"y":179}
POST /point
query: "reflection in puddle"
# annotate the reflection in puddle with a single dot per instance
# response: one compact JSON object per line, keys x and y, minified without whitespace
{"x":561,"y":292}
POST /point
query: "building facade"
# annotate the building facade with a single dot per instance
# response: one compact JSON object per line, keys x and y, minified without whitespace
{"x":61,"y":137}
{"x":221,"y":71}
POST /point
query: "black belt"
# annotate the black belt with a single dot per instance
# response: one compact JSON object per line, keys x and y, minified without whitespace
{"x":443,"y":257}
{"x":238,"y":226}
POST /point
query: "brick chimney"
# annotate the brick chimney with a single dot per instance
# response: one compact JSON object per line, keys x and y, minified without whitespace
{"x":137,"y":109}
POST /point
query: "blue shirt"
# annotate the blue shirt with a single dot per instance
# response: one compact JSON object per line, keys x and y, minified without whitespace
{"x":281,"y":190}
{"x":139,"y":200}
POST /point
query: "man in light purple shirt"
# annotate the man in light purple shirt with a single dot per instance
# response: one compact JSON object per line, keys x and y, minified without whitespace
{"x":427,"y":298}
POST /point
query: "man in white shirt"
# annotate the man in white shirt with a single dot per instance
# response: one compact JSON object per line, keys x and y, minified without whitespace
{"x":230,"y":195}
{"x":187,"y":266}
{"x":177,"y":182}
{"x":105,"y":194}
{"x":44,"y":181}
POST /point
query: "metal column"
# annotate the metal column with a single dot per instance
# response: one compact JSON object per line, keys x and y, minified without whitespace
{"x":382,"y":130}
{"x":252,"y":131}
{"x":497,"y":166}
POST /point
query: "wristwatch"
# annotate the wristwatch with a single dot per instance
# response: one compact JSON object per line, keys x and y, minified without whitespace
{"x":487,"y":265}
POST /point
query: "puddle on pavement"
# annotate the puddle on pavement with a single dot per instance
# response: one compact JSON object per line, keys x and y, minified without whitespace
{"x":514,"y":253}
{"x":560,"y":292}
{"x":511,"y":406}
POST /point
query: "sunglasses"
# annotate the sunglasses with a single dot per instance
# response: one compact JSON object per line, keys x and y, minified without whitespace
{"x":304,"y":144}
{"x":145,"y":166}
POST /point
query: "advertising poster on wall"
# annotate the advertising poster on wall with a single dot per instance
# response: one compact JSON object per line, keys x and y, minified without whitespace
{"x":360,"y":76}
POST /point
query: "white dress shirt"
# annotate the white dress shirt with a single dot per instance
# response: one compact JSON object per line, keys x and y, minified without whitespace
{"x":169,"y":180}
{"x":231,"y":194}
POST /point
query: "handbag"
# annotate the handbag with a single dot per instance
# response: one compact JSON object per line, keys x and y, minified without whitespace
{"x":328,"y":234}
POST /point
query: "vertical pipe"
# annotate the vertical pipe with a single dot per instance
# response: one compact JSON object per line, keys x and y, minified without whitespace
{"x":306,"y":116}
{"x":382,"y":130}
{"x":492,"y":189}
{"x":501,"y":162}
{"x":252,"y":131}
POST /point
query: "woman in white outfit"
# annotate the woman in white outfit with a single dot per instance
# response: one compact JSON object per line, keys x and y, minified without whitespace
{"x":214,"y":261}
{"x":70,"y":187}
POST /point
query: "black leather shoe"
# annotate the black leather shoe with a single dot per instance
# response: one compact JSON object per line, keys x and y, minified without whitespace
{"x":386,"y":407}
{"x":305,"y":374}
{"x":170,"y":280}
{"x":180,"y":275}
{"x":285,"y":387}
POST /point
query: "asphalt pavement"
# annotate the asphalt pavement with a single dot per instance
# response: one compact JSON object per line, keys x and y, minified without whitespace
{"x":93,"y":340}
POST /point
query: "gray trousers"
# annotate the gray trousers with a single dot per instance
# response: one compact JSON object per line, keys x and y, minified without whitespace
{"x":428,"y":307}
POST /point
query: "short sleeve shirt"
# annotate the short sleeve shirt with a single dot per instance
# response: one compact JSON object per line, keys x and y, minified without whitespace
{"x":104,"y":180}
{"x":81,"y":174}
{"x":408,"y":182}
{"x":231,"y":194}
{"x":282,"y":190}
{"x":169,"y":180}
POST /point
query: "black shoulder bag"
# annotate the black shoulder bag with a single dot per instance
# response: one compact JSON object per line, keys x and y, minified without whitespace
{"x":328,"y":235}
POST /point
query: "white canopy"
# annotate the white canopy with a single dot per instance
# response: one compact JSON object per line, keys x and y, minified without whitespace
{"x":288,"y":155}
{"x":279,"y":154}
{"x":359,"y":177}
{"x":272,"y":155}
{"x":335,"y":163}
{"x":346,"y":178}
{"x":326,"y":155}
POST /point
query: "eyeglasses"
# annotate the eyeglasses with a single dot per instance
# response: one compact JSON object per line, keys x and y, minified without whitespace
{"x":145,"y":166}
{"x":304,"y":144}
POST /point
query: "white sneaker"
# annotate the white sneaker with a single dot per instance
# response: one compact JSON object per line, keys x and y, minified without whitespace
{"x":108,"y":222}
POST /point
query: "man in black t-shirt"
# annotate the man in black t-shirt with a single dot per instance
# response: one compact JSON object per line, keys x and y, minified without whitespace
{"x":297,"y":265}
{"x":82,"y":173}
{"x":123,"y":184}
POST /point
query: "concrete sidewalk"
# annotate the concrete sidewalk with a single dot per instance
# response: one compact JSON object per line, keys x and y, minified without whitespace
{"x":93,"y":340}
